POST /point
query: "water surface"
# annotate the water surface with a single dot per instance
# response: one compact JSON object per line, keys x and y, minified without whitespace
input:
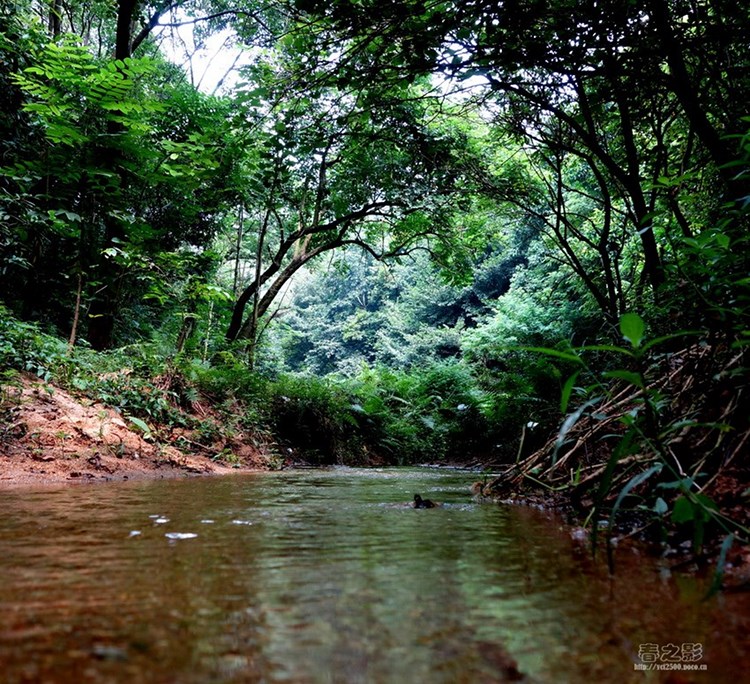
{"x":330,"y":576}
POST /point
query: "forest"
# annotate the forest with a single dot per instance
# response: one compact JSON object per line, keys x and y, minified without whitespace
{"x":510,"y":235}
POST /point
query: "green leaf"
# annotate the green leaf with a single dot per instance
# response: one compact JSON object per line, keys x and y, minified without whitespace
{"x":685,"y":484}
{"x":568,"y":424}
{"x":683,"y":511}
{"x":568,"y":356}
{"x":634,"y":379}
{"x":665,"y":338}
{"x":625,"y":446}
{"x":720,"y":566}
{"x":632,"y":328}
{"x":68,"y":215}
{"x":606,"y":347}
{"x":566,"y":391}
{"x":705,"y":505}
{"x":632,"y":484}
{"x":140,"y":424}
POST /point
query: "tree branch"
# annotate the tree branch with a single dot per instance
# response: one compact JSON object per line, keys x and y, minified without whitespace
{"x":154,"y":21}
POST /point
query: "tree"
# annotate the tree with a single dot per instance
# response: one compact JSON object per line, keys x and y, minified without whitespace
{"x":338,"y":170}
{"x":619,"y":85}
{"x":62,"y":192}
{"x":117,"y":38}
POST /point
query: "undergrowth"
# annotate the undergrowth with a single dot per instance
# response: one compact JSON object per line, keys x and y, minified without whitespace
{"x":436,"y":413}
{"x":649,"y":432}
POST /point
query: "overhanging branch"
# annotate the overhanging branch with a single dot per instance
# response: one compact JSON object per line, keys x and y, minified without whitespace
{"x":155,"y":21}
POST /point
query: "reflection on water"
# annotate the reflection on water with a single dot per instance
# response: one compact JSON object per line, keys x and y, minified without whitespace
{"x":329,"y":576}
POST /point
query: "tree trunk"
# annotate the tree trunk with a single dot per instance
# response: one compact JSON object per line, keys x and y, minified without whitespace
{"x":106,"y":305}
{"x":687,"y":93}
{"x":244,"y":329}
{"x":186,"y":330}
{"x":630,"y":177}
{"x":253,"y":330}
{"x":124,"y":30}
{"x":238,"y":250}
{"x":76,"y":314}
{"x":55,"y":18}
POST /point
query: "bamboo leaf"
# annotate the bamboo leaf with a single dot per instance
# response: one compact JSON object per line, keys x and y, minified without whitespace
{"x":566,"y":391}
{"x":720,"y":567}
{"x":606,"y":347}
{"x":622,"y":449}
{"x":568,"y":424}
{"x":632,"y":484}
{"x":665,"y":338}
{"x":629,"y":376}
{"x":568,"y":356}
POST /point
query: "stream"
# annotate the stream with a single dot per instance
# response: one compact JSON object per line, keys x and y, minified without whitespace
{"x":332,"y":576}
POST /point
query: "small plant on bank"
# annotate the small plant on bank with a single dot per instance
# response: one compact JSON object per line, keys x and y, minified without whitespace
{"x":639,"y":421}
{"x":226,"y":456}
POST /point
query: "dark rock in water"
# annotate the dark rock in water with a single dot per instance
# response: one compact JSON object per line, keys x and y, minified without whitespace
{"x":419,"y":502}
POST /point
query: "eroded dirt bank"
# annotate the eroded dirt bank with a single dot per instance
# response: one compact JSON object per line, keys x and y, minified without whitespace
{"x":49,"y":437}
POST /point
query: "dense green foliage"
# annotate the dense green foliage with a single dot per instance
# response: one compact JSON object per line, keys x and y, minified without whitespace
{"x":410,"y":233}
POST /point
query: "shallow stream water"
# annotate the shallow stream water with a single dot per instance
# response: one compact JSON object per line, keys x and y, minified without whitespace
{"x":331,"y":576}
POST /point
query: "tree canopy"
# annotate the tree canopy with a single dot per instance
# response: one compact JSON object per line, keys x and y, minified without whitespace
{"x":428,"y":225}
